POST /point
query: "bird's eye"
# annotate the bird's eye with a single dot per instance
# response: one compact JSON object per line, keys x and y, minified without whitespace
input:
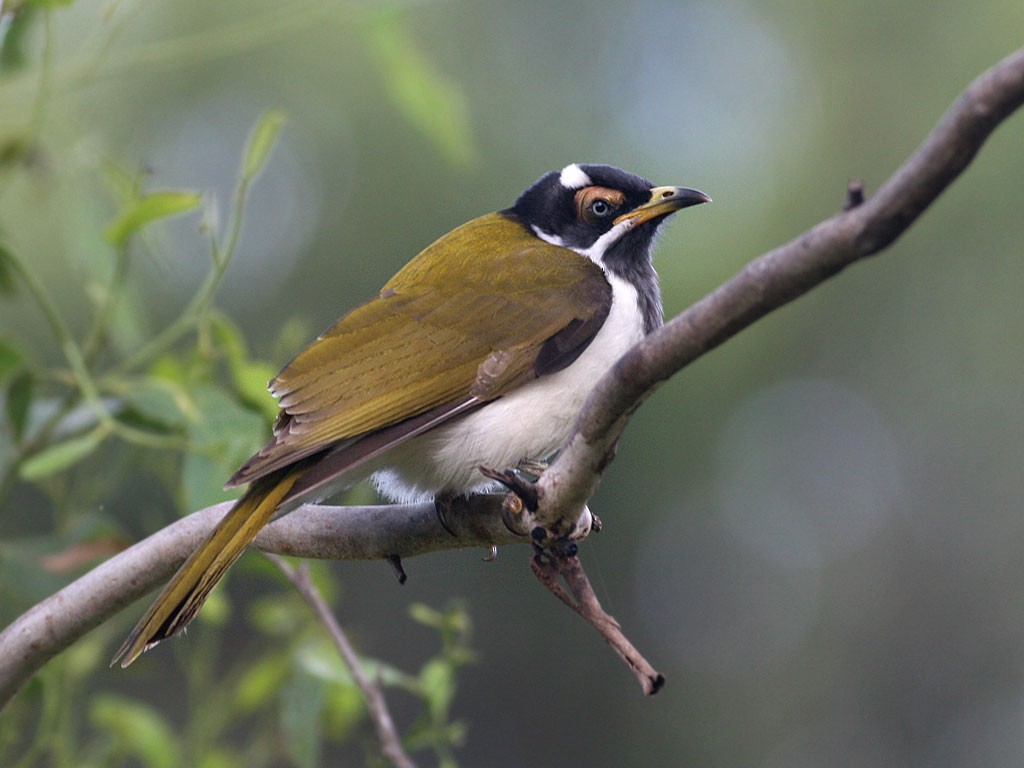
{"x":594,"y":204}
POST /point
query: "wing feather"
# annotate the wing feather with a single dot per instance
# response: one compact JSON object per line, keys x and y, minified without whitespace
{"x":443,"y":334}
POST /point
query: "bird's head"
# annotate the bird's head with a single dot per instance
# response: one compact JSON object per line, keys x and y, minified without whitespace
{"x":606,"y":214}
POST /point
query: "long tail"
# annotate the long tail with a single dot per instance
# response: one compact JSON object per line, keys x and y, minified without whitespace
{"x":184,"y":595}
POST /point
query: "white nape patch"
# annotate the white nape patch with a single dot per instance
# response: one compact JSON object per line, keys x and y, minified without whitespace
{"x":573,"y":177}
{"x":531,"y":422}
{"x":547,"y":237}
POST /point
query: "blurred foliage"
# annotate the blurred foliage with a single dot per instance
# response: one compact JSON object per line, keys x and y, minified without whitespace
{"x":428,"y":100}
{"x":187,"y":395}
{"x":296,"y":699}
{"x":814,"y":532}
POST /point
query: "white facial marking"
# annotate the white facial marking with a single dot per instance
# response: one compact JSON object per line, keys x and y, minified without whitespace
{"x":597,"y":250}
{"x":573,"y":177}
{"x":547,"y":237}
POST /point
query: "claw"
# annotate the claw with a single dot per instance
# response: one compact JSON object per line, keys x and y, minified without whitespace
{"x":524,"y":489}
{"x":511,"y":505}
{"x":538,"y":538}
{"x":442,"y":508}
{"x":492,"y":556}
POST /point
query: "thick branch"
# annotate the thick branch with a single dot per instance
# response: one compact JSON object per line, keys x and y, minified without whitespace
{"x":350,"y":533}
{"x":767,"y":283}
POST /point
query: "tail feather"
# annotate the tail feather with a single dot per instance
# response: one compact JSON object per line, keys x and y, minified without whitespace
{"x":184,"y":595}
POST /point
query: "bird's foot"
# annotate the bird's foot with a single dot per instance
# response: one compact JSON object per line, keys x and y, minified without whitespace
{"x":525,"y":489}
{"x":533,"y":468}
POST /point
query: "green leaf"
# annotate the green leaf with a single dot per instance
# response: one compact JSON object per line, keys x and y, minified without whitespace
{"x":217,"y":608}
{"x":62,"y":455}
{"x":343,"y":710}
{"x":85,"y":656}
{"x":138,"y":731}
{"x":431,"y":102}
{"x":19,"y":398}
{"x":321,"y":660}
{"x":147,"y":209}
{"x":228,"y":338}
{"x":18,"y":37}
{"x":162,"y":401}
{"x":249,"y":376}
{"x":423,"y":614}
{"x":261,"y":142}
{"x":275,"y":617}
{"x":261,"y":681}
{"x":437,"y":681}
{"x":223,"y":435}
{"x":11,"y":359}
{"x":453,"y":622}
{"x":171,"y":368}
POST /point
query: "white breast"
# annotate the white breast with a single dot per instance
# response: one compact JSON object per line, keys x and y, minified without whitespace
{"x":530,"y":423}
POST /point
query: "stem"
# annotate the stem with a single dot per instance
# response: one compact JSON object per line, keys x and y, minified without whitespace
{"x":198,"y":307}
{"x":72,"y":352}
{"x":97,"y":337}
{"x":387,"y":736}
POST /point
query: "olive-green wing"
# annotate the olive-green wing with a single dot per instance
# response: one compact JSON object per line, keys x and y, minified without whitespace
{"x":444,"y":334}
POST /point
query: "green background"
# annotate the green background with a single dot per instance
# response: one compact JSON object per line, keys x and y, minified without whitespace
{"x":815,"y":532}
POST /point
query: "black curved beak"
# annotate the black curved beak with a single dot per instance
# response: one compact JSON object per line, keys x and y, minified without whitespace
{"x":663,"y":201}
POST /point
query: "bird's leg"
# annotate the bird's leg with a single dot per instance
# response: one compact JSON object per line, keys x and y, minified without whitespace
{"x":523,"y":498}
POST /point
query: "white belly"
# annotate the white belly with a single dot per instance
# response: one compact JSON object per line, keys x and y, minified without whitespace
{"x":531,"y":422}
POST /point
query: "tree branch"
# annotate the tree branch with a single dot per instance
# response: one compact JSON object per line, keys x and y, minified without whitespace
{"x":769,"y":282}
{"x":339,"y":533}
{"x":549,"y":567}
{"x":765,"y":284}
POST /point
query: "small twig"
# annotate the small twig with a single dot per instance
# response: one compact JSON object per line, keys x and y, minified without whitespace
{"x":387,"y":736}
{"x":549,"y":567}
{"x":396,"y":565}
{"x":854,"y":194}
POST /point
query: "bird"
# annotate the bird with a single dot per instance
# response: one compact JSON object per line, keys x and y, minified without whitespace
{"x":480,"y":352}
